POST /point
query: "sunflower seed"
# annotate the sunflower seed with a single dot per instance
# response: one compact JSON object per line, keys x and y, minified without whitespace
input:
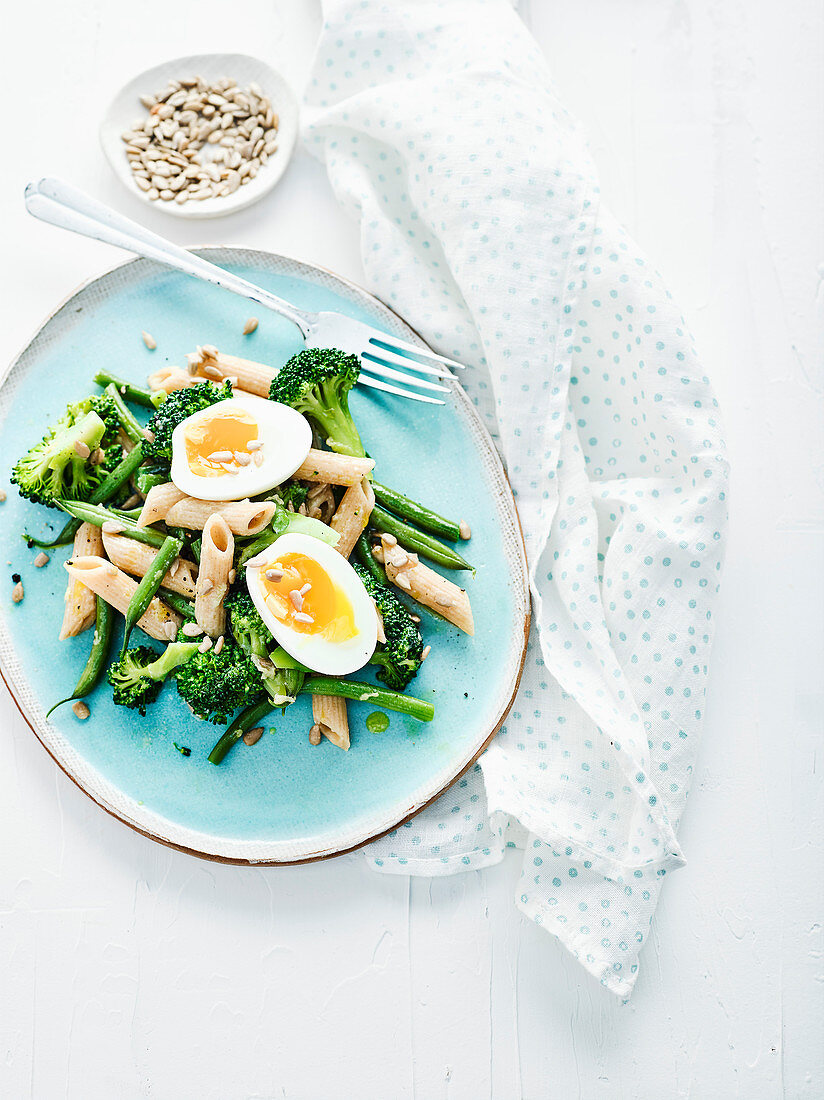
{"x":205,"y":645}
{"x":257,"y":458}
{"x":41,"y":560}
{"x":192,"y":630}
{"x":427,"y":650}
{"x":252,"y":736}
{"x":254,"y":444}
{"x":149,"y":340}
{"x":314,"y":735}
{"x":17,"y":592}
{"x":81,"y":710}
{"x":219,"y":644}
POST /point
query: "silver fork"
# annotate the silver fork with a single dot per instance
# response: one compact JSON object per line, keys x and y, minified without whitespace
{"x":58,"y":203}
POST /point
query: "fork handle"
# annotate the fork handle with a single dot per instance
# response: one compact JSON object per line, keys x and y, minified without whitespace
{"x":58,"y":203}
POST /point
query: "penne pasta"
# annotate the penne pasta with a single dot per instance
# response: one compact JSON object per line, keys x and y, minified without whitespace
{"x":136,"y":558}
{"x":80,"y":610}
{"x":334,"y":468}
{"x":352,"y":515}
{"x":216,"y":556}
{"x":329,"y":713}
{"x":245,"y":374}
{"x":428,"y":587}
{"x":244,"y":517}
{"x":116,"y":588}
{"x":159,"y":500}
{"x":170,"y":379}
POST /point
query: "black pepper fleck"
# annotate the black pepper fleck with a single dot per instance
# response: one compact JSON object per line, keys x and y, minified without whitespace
{"x":16,"y":578}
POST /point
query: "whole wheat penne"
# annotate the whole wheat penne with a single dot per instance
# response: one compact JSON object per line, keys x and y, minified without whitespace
{"x":244,"y":517}
{"x":334,"y":468}
{"x":216,"y":554}
{"x":136,"y":558}
{"x":352,"y":515}
{"x":80,"y":610}
{"x":116,"y":588}
{"x":329,"y":713}
{"x":170,"y":379}
{"x":159,"y":500}
{"x":428,"y":587}
{"x":252,"y":377}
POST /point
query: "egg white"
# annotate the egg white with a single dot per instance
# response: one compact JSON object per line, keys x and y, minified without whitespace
{"x":287,"y":439}
{"x":328,"y":658}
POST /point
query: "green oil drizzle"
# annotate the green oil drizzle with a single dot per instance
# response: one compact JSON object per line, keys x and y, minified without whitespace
{"x":377,"y":722}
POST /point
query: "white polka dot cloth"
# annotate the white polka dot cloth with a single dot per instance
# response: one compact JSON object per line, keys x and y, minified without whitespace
{"x":481,"y":224}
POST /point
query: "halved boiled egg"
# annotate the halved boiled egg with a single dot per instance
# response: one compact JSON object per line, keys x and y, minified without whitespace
{"x":238,"y":448}
{"x":314,"y":603}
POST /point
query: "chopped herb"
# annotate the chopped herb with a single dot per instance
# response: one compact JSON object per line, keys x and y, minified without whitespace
{"x":184,"y":750}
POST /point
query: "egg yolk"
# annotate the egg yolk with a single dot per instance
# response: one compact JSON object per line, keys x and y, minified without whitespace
{"x":214,"y":442}
{"x":300,"y":593}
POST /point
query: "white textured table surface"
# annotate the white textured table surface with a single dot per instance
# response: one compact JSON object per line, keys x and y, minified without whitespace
{"x":128,"y":970}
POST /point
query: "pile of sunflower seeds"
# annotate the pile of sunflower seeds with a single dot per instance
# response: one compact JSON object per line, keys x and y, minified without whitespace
{"x":201,"y":139}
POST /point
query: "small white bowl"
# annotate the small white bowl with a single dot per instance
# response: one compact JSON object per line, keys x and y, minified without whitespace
{"x":126,"y":107}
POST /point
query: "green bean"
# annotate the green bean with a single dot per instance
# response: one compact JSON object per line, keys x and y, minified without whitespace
{"x":97,"y":658}
{"x":131,"y":426}
{"x":104,"y":491}
{"x":418,"y":513}
{"x":97,"y":515}
{"x":247,"y":719}
{"x":418,"y":541}
{"x":126,"y":389}
{"x":178,"y":603}
{"x":147,"y":589}
{"x":368,"y":693}
{"x":195,"y":546}
{"x":368,"y":560}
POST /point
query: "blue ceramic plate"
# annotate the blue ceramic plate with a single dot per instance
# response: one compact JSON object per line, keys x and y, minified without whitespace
{"x":283,"y":800}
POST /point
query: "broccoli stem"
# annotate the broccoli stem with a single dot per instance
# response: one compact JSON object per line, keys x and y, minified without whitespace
{"x":174,"y":655}
{"x":379,"y":697}
{"x":341,"y":434}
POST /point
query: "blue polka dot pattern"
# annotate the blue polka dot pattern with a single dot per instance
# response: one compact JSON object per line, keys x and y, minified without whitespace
{"x":481,"y":223}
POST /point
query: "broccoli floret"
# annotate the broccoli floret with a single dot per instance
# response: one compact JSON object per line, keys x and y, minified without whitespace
{"x":317,"y":382}
{"x":74,"y":456}
{"x":401,"y":656}
{"x":138,"y":676}
{"x":280,"y":675}
{"x":175,"y":409}
{"x":248,"y":629}
{"x":294,"y":493}
{"x":215,"y":684}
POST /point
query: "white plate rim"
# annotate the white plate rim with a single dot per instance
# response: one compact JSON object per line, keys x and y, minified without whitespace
{"x":305,"y":849}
